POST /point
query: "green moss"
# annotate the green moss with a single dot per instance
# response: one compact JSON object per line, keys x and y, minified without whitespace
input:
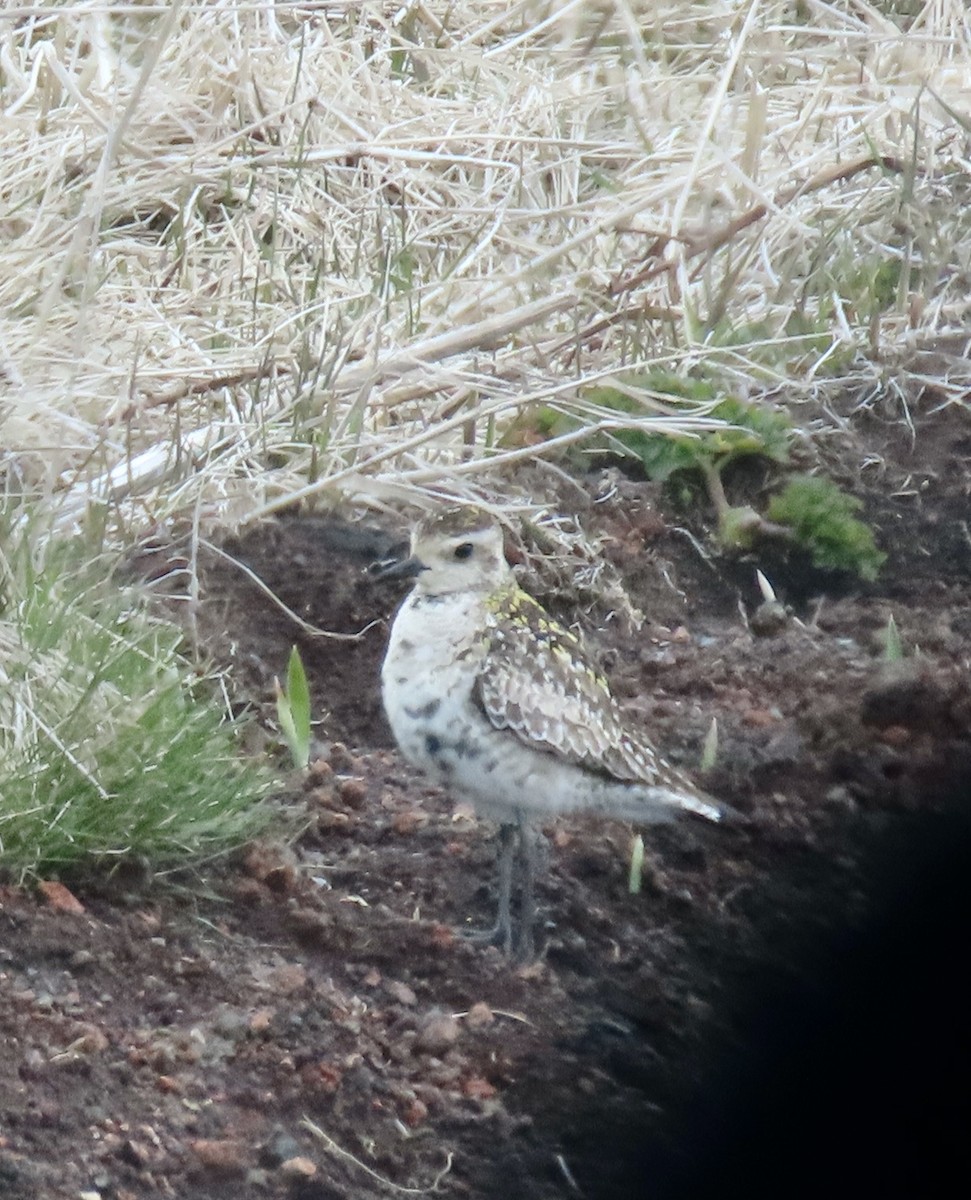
{"x":821,"y":518}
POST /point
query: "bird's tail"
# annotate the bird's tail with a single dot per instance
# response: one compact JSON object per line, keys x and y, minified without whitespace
{"x":656,"y":804}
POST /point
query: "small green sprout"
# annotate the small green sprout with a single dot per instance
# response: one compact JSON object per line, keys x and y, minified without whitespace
{"x":636,"y":865}
{"x":810,"y":512}
{"x":293,"y":711}
{"x":893,"y":650}
{"x":765,"y":587}
{"x":709,"y":751}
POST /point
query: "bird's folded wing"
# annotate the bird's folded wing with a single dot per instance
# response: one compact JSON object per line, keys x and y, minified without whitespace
{"x":536,"y":681}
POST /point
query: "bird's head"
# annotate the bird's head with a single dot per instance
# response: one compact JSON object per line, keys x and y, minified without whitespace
{"x":457,"y":549}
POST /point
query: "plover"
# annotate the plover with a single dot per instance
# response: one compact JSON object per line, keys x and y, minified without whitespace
{"x":502,"y":706}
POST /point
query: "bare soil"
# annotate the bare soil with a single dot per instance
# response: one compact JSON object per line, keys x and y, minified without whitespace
{"x":780,"y":1010}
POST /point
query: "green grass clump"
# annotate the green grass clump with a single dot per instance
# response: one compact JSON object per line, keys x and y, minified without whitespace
{"x":821,"y":518}
{"x":110,"y":748}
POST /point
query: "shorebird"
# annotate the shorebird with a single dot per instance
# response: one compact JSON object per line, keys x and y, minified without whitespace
{"x":502,"y":706}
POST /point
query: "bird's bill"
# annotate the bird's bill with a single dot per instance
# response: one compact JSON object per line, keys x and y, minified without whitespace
{"x":397,"y":568}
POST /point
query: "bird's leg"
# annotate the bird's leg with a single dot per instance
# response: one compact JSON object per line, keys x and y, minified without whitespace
{"x":507,"y":852}
{"x":501,"y":933}
{"x":528,"y":849}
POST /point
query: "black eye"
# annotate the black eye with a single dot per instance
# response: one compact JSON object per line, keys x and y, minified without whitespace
{"x":464,"y":551}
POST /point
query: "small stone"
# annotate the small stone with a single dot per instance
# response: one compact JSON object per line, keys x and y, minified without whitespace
{"x":281,"y":879}
{"x":230,"y":1022}
{"x":328,"y":1077}
{"x":133,"y":1153}
{"x":477,"y":1088}
{"x":341,"y":759}
{"x":406,"y":823}
{"x":298,"y":1167}
{"x":402,"y":993}
{"x":761,"y":718}
{"x":58,"y":896}
{"x":264,"y":860}
{"x":279,"y":1149}
{"x":437,"y":1033}
{"x":90,"y":1040}
{"x":479,"y":1014}
{"x":250,"y":892}
{"x":320,"y":771}
{"x":443,"y":937}
{"x":260,"y":1021}
{"x":32,"y":1063}
{"x":222,"y":1155}
{"x":323,"y":796}
{"x":353,"y":792}
{"x":769,"y":619}
{"x":838,"y":796}
{"x":147,"y":922}
{"x":285,"y":979}
{"x":415,"y":1113}
{"x":333,"y":822}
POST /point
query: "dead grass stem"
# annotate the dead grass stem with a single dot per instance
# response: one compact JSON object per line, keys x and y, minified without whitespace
{"x":255,"y":252}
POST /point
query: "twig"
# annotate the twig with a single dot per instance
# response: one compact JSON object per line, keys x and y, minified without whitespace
{"x":715,"y":241}
{"x":340,"y":1152}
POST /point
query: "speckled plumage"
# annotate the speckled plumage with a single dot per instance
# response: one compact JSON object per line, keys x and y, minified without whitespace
{"x":537,"y":680}
{"x":501,"y":704}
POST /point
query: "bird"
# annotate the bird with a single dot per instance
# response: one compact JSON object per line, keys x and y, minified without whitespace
{"x":503,"y":706}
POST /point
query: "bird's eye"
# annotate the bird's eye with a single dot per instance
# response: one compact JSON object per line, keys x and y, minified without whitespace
{"x":464,"y":551}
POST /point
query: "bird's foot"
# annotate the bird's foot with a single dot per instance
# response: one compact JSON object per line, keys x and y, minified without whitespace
{"x":521,"y":950}
{"x":498,"y":935}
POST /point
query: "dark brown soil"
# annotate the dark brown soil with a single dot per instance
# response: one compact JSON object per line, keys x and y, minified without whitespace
{"x":779,"y":1011}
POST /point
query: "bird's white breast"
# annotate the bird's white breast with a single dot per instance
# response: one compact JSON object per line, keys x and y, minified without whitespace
{"x":436,"y":649}
{"x":429,"y":671}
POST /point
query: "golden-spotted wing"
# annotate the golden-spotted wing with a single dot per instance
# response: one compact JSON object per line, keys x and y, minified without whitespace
{"x":537,"y":681}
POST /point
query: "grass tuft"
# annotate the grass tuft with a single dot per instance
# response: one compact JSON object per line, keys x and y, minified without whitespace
{"x":110,"y":747}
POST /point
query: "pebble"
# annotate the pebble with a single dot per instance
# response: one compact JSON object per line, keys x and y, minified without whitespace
{"x":402,"y":993}
{"x":298,"y":1167}
{"x":279,"y":1149}
{"x":223,"y":1155}
{"x":437,"y":1033}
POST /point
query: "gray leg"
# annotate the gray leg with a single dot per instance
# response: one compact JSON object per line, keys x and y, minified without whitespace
{"x":526,"y":949}
{"x":507,"y":852}
{"x":501,"y":933}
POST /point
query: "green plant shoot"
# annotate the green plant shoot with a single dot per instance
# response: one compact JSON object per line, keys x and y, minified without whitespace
{"x":636,"y":865}
{"x":893,"y":650}
{"x":709,"y":751}
{"x":293,"y":711}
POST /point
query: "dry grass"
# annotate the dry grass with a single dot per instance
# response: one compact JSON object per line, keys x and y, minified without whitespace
{"x":253,"y":251}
